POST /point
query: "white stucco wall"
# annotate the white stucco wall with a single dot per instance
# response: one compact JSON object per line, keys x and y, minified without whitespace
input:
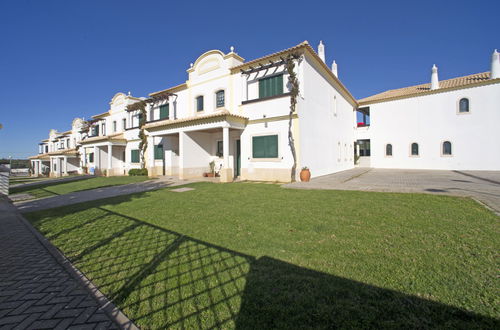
{"x":431,"y":119}
{"x":326,"y":124}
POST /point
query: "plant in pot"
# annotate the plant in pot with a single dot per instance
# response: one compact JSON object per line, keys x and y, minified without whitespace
{"x":305,"y":174}
{"x":211,"y":174}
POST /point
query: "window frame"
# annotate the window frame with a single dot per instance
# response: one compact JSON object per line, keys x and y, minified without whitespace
{"x":411,"y":149}
{"x":469,"y":105}
{"x":442,"y":149}
{"x":392,"y":150}
{"x":221,"y":153}
{"x":124,"y":124}
{"x":282,"y":74}
{"x":156,"y":148}
{"x":196,"y":106}
{"x":132,"y":156}
{"x":217,"y":106}
{"x":266,"y":159}
{"x":115,"y":126}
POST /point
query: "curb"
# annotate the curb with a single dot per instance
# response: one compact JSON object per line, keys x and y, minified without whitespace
{"x":113,"y":312}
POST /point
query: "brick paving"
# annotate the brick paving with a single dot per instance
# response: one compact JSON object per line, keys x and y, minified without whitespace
{"x":483,"y":186}
{"x":36,"y":291}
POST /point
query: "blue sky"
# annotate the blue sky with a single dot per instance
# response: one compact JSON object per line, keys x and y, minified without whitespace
{"x":65,"y":59}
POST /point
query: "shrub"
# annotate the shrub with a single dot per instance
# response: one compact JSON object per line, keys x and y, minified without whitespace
{"x":138,"y":171}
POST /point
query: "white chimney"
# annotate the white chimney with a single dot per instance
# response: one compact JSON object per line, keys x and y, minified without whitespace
{"x":495,"y":65}
{"x":321,"y":50}
{"x":334,"y":69}
{"x":434,"y":78}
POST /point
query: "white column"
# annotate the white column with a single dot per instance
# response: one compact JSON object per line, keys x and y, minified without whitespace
{"x":226,"y":171}
{"x":225,"y":146}
{"x":182,"y":137}
{"x":51,"y":167}
{"x":39,"y":167}
{"x":110,"y":159}
{"x":244,"y":87}
{"x":150,"y":156}
{"x":84,"y":157}
{"x":65,"y":165}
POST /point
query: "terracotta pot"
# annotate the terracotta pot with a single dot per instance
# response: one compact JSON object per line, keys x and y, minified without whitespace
{"x":210,"y":175}
{"x":305,"y":175}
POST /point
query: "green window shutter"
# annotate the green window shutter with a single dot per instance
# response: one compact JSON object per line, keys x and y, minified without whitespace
{"x":159,"y":151}
{"x":271,"y":86}
{"x":265,"y":146}
{"x":164,"y":111}
{"x":134,"y":156}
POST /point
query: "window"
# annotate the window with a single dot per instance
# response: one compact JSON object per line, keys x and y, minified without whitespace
{"x":414,"y":149}
{"x":363,"y":117}
{"x":265,"y":146}
{"x":114,"y":126}
{"x":134,"y":156}
{"x":219,"y":99}
{"x":364,"y":148}
{"x":159,"y":151}
{"x":463,"y":105}
{"x":388,"y":149}
{"x":271,"y":86}
{"x":103,"y":128}
{"x":124,"y":124}
{"x":335,"y":105}
{"x":199,"y":103}
{"x":46,"y":148}
{"x":220,"y":149}
{"x":446,"y":148}
{"x":91,"y":157}
{"x":164,"y":111}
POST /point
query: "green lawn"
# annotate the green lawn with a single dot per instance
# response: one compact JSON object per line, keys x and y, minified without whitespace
{"x":47,"y":189}
{"x":259,"y":256}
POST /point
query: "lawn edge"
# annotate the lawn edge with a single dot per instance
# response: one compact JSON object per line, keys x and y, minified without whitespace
{"x":113,"y":312}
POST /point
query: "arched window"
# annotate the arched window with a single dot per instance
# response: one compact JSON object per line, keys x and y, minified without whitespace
{"x":219,"y":99}
{"x":463,"y":105}
{"x":447,"y":148}
{"x":414,"y":149}
{"x":388,"y":149}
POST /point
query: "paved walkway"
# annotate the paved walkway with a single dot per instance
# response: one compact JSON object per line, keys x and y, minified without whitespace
{"x":99,"y":193}
{"x":37,"y":291}
{"x":480,"y":185}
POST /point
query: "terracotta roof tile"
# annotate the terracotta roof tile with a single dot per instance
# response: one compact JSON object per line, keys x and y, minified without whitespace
{"x":460,"y":82}
{"x":166,"y":122}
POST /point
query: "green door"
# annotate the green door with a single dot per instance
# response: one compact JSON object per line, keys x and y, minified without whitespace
{"x":238,"y":158}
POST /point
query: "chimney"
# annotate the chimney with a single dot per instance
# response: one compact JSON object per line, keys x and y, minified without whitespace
{"x":321,"y":50}
{"x":334,"y":69}
{"x":495,"y":65}
{"x":434,"y":78}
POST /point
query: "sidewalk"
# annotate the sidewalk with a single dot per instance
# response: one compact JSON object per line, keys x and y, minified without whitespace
{"x":93,"y":194}
{"x":39,"y":291}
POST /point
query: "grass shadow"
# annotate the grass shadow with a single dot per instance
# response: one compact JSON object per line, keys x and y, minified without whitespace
{"x":164,"y":279}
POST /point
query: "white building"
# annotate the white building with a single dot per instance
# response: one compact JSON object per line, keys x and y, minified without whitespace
{"x":237,"y":115}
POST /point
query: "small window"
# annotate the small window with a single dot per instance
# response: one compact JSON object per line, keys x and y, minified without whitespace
{"x":220,"y":149}
{"x":335,"y":105}
{"x":388,"y":149}
{"x":199,"y":103}
{"x":91,"y":157}
{"x":446,"y":148}
{"x":114,"y":126}
{"x":463,"y":105}
{"x":103,"y":129}
{"x":265,"y":146}
{"x":271,"y":86}
{"x":164,"y":111}
{"x":159,"y":151}
{"x":220,"y":99}
{"x":124,"y":124}
{"x":134,"y":156}
{"x":414,"y":149}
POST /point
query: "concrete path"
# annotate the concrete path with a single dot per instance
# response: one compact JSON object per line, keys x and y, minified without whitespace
{"x":38,"y":290}
{"x":99,"y":193}
{"x":483,"y":186}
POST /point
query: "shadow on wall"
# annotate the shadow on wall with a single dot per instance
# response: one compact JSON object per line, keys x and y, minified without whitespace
{"x":161,"y":279}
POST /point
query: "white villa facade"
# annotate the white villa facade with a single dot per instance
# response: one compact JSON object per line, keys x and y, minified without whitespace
{"x":236,"y":114}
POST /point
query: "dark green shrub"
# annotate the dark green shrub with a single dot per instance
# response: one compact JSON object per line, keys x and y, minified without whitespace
{"x":138,"y":171}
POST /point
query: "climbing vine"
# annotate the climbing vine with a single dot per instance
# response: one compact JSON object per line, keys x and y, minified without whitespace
{"x":293,"y":84}
{"x":143,"y":145}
